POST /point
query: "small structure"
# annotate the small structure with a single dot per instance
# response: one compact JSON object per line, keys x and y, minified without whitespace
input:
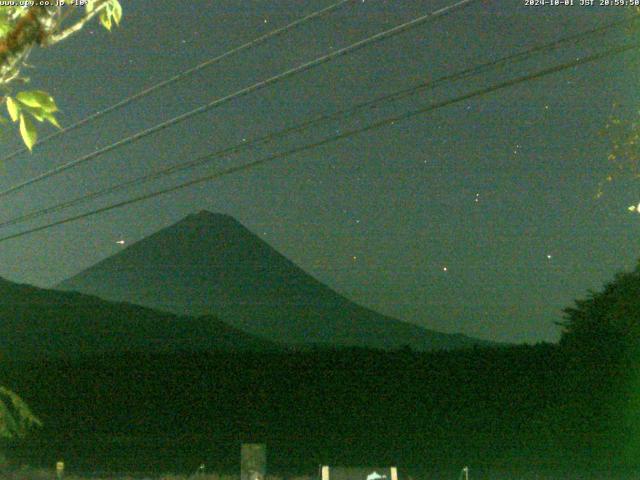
{"x":59,"y":470}
{"x":358,"y":473}
{"x":253,"y":461}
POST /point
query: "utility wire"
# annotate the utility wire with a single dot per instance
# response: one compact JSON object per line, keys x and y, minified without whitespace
{"x":243,"y":92}
{"x":176,"y":78}
{"x":345,"y":113}
{"x":333,"y":139}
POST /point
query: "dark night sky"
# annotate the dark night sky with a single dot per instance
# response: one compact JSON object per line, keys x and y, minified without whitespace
{"x":379,"y":216}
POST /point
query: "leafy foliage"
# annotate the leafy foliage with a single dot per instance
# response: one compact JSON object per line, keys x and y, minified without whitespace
{"x":606,"y":322}
{"x":22,"y":28}
{"x":624,"y":153}
{"x":35,"y":104}
{"x":602,"y":339}
{"x":112,"y":13}
{"x":349,"y":406}
{"x":16,"y":419}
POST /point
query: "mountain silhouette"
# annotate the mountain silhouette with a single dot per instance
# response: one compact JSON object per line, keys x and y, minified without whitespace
{"x":211,"y":264}
{"x":36,"y":322}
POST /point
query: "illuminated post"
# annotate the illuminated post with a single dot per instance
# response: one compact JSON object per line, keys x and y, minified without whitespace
{"x":394,"y":473}
{"x":465,"y":470}
{"x":59,"y":469}
{"x":325,"y":473}
{"x":253,"y":461}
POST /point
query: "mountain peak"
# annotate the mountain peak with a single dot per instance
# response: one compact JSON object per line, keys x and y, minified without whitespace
{"x":205,"y":216}
{"x":209,"y":263}
{"x":206,"y":221}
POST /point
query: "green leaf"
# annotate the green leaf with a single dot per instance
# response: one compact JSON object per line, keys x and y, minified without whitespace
{"x":28,"y":132}
{"x":105,"y":19}
{"x":116,"y":12}
{"x":13,"y":108}
{"x":52,"y":119}
{"x":38,"y":99}
{"x":36,"y":113}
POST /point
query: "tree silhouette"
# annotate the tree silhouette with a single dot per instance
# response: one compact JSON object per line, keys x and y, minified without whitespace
{"x":602,"y":339}
{"x":23,"y":27}
{"x":606,"y":325}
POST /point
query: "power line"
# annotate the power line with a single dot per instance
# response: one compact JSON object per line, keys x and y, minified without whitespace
{"x":519,"y":56}
{"x":176,"y":78}
{"x":245,"y":91}
{"x":332,"y":139}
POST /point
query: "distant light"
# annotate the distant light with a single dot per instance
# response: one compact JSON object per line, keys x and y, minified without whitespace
{"x":355,"y":257}
{"x":120,"y":242}
{"x":634,"y":208}
{"x":549,"y":257}
{"x":444,"y":269}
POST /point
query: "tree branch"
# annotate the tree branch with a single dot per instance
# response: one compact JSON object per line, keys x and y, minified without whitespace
{"x":29,"y":30}
{"x":37,"y":26}
{"x":76,"y":27}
